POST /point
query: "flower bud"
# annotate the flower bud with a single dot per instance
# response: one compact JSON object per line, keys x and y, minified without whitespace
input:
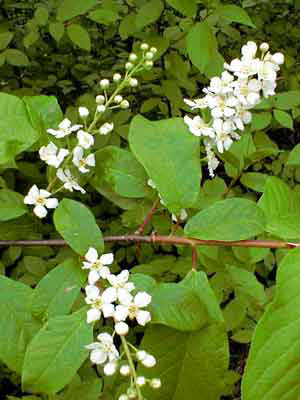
{"x":124,"y":104}
{"x":123,"y":397}
{"x":121,"y":328}
{"x":100,"y":99}
{"x":131,"y":392}
{"x":83,"y":112}
{"x":125,"y":370}
{"x":153,"y":50}
{"x":101,"y":108}
{"x":104,"y":83}
{"x":149,"y":361}
{"x":264,"y":47}
{"x":155,"y":383}
{"x":133,"y":82}
{"x":144,"y":46}
{"x":110,"y":368}
{"x":149,"y":55}
{"x":106,"y":128}
{"x":141,"y":355}
{"x":148,"y":64}
{"x":140,"y":381}
{"x":277,"y":58}
{"x":118,"y":99}
{"x":128,"y":66}
{"x":117,"y":77}
{"x":133,"y":57}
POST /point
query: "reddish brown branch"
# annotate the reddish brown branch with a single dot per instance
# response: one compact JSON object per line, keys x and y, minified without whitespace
{"x":148,"y":217}
{"x":158,"y":239}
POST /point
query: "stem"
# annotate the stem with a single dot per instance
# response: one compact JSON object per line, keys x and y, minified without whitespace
{"x":132,"y":368}
{"x":148,"y":217}
{"x":194,"y":258}
{"x":158,"y":239}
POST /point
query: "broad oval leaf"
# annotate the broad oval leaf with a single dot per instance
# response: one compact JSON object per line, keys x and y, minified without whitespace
{"x":186,"y":7}
{"x":78,"y":227}
{"x":170,"y":155}
{"x":56,"y":292}
{"x":12,"y":205}
{"x":287,"y":100}
{"x":56,"y":352}
{"x":231,"y":219}
{"x":120,"y":169}
{"x":273,"y":366}
{"x":79,"y":36}
{"x":69,"y":8}
{"x":148,"y":13}
{"x":234,"y":13}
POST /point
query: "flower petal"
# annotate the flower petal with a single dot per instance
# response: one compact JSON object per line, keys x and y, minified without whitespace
{"x":40,"y":211}
{"x":98,"y":356}
{"x":107,"y":259}
{"x":143,"y":317}
{"x":142,"y":299}
{"x":91,"y":255}
{"x":93,"y":315}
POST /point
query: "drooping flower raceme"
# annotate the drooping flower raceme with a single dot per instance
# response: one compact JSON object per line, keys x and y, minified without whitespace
{"x":230,"y":97}
{"x":115,"y":296}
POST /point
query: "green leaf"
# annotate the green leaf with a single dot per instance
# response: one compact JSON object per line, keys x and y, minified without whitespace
{"x":234,"y":14}
{"x":11,"y":205}
{"x":202,"y":49}
{"x":186,"y":7}
{"x":294,"y":157}
{"x":69,"y":9}
{"x":17,"y":327}
{"x":5,"y":39}
{"x":56,"y":352}
{"x":118,"y":168}
{"x":287,"y":100}
{"x":260,"y":120}
{"x":283,"y":118}
{"x":170,"y":155}
{"x":46,"y":108}
{"x":16,"y":131}
{"x":104,"y":16}
{"x":41,"y":15}
{"x":273,"y":365}
{"x":31,"y":38}
{"x":231,"y":219}
{"x":79,"y":36}
{"x":78,"y":227}
{"x":56,"y":30}
{"x":254,"y":180}
{"x":56,"y":292}
{"x":246,"y":284}
{"x":88,"y":389}
{"x":148,"y":13}
{"x":16,"y":57}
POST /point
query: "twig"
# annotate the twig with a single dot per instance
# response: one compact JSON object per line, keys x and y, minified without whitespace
{"x":158,"y":239}
{"x":148,"y":218}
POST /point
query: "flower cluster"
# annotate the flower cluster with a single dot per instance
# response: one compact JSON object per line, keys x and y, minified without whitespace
{"x":75,"y":156}
{"x":117,"y":299}
{"x":230,"y":97}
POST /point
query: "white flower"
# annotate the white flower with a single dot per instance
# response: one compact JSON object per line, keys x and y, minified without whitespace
{"x":198,"y":127}
{"x":118,"y":99}
{"x":153,"y":50}
{"x":149,"y":55}
{"x":149,"y":64}
{"x":277,"y":58}
{"x":40,"y":198}
{"x":97,"y":265}
{"x":225,"y":107}
{"x":223,"y":138}
{"x":65,"y":128}
{"x":123,"y":397}
{"x":100,"y":303}
{"x":212,"y":161}
{"x":104,"y":83}
{"x":70,"y":182}
{"x":106,"y":128}
{"x":117,"y":77}
{"x":264,"y":47}
{"x":133,"y":310}
{"x":267,"y":71}
{"x":124,"y":104}
{"x":128,"y":66}
{"x":196,"y":103}
{"x":268,"y":88}
{"x":242,"y":117}
{"x":120,"y":287}
{"x":144,"y":46}
{"x":82,"y":162}
{"x":247,"y":91}
{"x":141,"y":355}
{"x":125,"y":370}
{"x":244,"y":69}
{"x":221,"y":85}
{"x":121,"y":328}
{"x":103,"y":349}
{"x":249,"y":51}
{"x":83,"y":112}
{"x":85,"y":140}
{"x":182,"y":216}
{"x":110,"y":368}
{"x":52,"y":155}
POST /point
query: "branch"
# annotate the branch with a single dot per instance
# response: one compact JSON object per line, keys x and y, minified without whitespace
{"x":158,"y":239}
